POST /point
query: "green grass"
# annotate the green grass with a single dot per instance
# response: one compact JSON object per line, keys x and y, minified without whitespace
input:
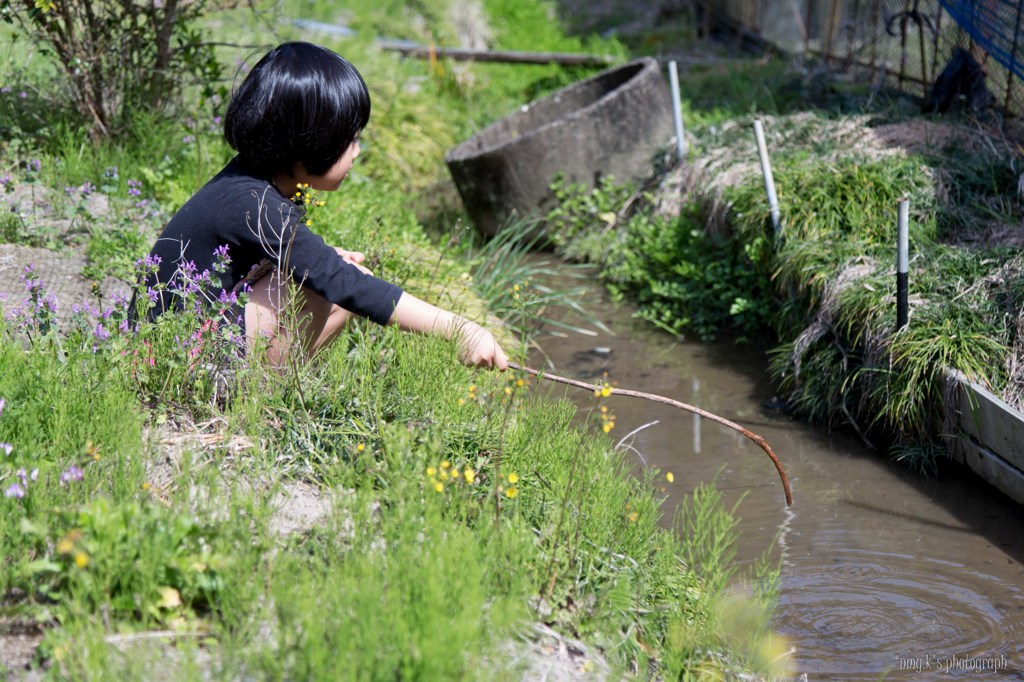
{"x":439,"y":567}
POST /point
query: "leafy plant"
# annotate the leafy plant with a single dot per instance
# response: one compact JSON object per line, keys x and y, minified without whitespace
{"x":134,"y":560}
{"x":680,"y":277}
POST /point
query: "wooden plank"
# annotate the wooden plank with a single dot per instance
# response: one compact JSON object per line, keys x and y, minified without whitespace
{"x":988,"y":466}
{"x":505,"y":56}
{"x":988,"y":420}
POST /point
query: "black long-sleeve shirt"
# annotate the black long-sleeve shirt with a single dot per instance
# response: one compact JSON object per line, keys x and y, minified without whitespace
{"x":257,"y":223}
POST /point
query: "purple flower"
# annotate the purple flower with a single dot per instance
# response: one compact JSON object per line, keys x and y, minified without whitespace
{"x":227,"y":298}
{"x":25,"y":477}
{"x":72,"y":473}
{"x":3,"y":401}
{"x":6,"y":89}
{"x":152,"y":294}
{"x":15,"y":491}
{"x":188,"y":139}
{"x":100,"y":333}
{"x":33,"y":165}
{"x":23,"y":94}
{"x":87,"y":188}
{"x":134,"y":188}
{"x":6,"y":447}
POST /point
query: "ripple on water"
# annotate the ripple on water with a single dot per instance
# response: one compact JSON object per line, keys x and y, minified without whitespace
{"x":869,"y":612}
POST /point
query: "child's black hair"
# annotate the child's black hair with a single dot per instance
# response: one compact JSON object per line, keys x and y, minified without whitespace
{"x":301,"y":103}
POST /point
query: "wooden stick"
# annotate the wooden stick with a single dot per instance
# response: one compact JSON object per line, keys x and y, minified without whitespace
{"x":506,"y":56}
{"x":761,"y":442}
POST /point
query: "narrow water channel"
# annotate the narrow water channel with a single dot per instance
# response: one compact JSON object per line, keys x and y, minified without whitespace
{"x":883,"y":575}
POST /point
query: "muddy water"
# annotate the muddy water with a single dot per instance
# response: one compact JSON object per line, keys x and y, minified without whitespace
{"x":883,"y":574}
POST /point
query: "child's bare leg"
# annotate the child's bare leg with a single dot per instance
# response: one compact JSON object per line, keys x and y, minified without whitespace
{"x":318,"y":322}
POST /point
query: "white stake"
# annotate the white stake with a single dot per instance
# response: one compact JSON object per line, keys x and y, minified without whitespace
{"x":677,"y":110}
{"x":766,"y":170}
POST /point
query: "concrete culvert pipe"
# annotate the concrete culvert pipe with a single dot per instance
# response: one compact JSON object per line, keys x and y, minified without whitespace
{"x":611,"y":124}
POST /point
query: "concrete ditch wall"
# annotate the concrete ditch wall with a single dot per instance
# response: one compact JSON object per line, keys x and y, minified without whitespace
{"x":985,"y":434}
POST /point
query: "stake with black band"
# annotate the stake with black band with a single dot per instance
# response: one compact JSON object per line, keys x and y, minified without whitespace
{"x":902,"y":263}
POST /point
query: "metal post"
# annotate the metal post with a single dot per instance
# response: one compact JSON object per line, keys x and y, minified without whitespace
{"x":677,"y":109}
{"x":766,"y":170}
{"x":902,"y":263}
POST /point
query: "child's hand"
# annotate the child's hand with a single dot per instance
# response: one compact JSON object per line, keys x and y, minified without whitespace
{"x":356,"y":258}
{"x":477,"y":348}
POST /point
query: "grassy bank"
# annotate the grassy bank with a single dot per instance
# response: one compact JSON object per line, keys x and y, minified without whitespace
{"x":697,"y":250}
{"x":171,"y":511}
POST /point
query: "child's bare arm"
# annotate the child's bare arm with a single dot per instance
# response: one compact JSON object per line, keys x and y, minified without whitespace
{"x":477,"y":346}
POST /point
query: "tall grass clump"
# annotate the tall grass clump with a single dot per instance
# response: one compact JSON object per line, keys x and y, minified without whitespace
{"x":841,"y":359}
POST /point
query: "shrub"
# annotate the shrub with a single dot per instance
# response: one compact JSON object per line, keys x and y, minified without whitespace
{"x":120,"y":56}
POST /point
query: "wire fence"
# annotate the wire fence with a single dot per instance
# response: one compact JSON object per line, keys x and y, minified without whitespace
{"x":905,"y":43}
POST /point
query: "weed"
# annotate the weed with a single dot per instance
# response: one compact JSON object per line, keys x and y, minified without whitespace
{"x":681,"y":278}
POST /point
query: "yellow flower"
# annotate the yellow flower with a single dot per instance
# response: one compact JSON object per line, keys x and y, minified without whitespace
{"x":308,"y":223}
{"x":65,"y":545}
{"x":511,"y":492}
{"x":516,"y":288}
{"x":604,"y":408}
{"x":461,"y":402}
{"x":445,"y":464}
{"x":513,"y":478}
{"x":520,"y":383}
{"x":606,"y":427}
{"x":443,"y":475}
{"x":469,"y":475}
{"x":81,"y":559}
{"x":360,"y":447}
{"x":508,"y":391}
{"x":606,"y":391}
{"x":431,"y":471}
{"x":439,"y":487}
{"x":455,"y":474}
{"x":669,"y":477}
{"x":597,"y":393}
{"x":633,"y":517}
{"x":145,"y":485}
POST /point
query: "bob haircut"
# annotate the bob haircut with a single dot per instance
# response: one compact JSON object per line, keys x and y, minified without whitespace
{"x":301,"y":103}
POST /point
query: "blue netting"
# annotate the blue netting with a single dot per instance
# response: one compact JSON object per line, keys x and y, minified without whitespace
{"x":995,"y":25}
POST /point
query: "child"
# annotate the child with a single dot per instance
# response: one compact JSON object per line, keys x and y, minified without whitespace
{"x":295,"y":123}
